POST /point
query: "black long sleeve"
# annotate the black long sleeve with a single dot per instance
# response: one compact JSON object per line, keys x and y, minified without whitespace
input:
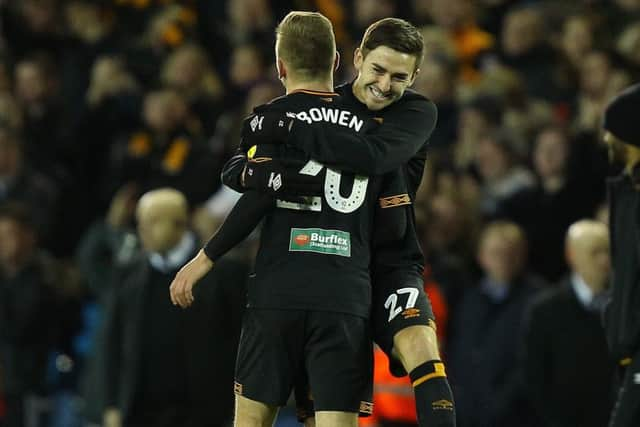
{"x":406,"y":127}
{"x":243,"y":218}
{"x":232,"y":170}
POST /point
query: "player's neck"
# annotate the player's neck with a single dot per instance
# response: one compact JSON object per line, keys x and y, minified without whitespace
{"x":356,"y":89}
{"x":324,"y":85}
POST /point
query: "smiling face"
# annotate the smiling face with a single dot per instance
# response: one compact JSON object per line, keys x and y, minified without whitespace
{"x":383,"y":76}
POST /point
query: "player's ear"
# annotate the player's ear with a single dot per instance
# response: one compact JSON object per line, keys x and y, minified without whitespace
{"x":413,"y":76}
{"x":358,"y":59}
{"x":282,"y":69}
{"x":336,"y":62}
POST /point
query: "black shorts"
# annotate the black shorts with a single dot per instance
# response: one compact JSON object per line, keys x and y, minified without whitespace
{"x":399,"y":301}
{"x":279,"y":347}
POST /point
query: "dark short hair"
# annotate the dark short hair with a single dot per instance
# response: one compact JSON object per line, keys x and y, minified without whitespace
{"x":396,"y":34}
{"x":307,"y":44}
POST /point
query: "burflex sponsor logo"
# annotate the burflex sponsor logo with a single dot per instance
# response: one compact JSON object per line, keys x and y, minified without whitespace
{"x":318,"y":240}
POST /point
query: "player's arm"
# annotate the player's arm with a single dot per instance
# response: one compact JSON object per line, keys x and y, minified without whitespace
{"x":232,"y":171}
{"x":243,"y":218}
{"x":270,"y":168}
{"x":406,"y":126}
{"x":390,"y":223}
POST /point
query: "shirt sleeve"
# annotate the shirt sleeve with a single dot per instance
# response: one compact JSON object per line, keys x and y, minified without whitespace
{"x":231,"y":175}
{"x":243,"y":218}
{"x":390,"y":224}
{"x":406,"y":126}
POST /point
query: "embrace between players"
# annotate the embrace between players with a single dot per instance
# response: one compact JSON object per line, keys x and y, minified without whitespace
{"x":332,"y":175}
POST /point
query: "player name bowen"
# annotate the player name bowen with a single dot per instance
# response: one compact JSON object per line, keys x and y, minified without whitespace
{"x":331,"y":115}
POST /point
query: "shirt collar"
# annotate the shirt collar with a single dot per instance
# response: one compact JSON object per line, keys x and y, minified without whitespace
{"x":582,"y":290}
{"x":496,"y":291}
{"x":176,"y":256}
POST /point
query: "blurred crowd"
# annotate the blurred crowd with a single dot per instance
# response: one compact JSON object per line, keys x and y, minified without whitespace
{"x":102,"y":101}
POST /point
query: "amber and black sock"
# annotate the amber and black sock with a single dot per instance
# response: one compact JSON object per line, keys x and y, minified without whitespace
{"x":434,"y":399}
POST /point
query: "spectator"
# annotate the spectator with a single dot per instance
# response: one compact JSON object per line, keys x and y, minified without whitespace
{"x":437,"y":81}
{"x":447,"y":235}
{"x":19,"y":182}
{"x":246,"y":69}
{"x":30,"y":26}
{"x":524,"y":48}
{"x":165,"y":152}
{"x":108,"y":245}
{"x":45,"y":146}
{"x":501,"y":177}
{"x":485,"y":332}
{"x":187,"y":70}
{"x":29,"y":322}
{"x":576,"y":39}
{"x":479,"y":116}
{"x":628,"y":44}
{"x":558,"y":199}
{"x":597,"y":71}
{"x":164,"y":29}
{"x":10,"y":112}
{"x":564,"y":338}
{"x":459,"y":19}
{"x":166,"y":366}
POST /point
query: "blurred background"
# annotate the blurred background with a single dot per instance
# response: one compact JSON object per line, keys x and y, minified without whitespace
{"x":104,"y":100}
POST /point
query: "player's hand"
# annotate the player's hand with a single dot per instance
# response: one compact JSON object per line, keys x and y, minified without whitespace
{"x":181,"y":289}
{"x":266,"y":127}
{"x":275,"y":170}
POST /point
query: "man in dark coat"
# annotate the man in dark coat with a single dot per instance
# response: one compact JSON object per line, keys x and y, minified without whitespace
{"x":485,"y":333}
{"x":29,"y":320}
{"x":564,"y":338}
{"x":167,"y":366}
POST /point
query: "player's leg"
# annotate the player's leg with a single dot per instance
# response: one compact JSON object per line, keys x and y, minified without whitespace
{"x":415,"y":345}
{"x":271,"y":349}
{"x":305,"y":408}
{"x":250,"y":413}
{"x":404,"y":328}
{"x":339,"y":362}
{"x":336,"y":419}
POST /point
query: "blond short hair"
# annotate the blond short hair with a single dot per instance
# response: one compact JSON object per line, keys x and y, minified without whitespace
{"x":306,"y":43}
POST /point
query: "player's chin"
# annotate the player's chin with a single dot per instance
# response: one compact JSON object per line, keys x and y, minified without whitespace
{"x":375,"y":104}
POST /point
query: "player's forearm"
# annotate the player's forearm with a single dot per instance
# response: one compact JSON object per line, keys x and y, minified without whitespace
{"x":388,"y":147}
{"x":243,"y":218}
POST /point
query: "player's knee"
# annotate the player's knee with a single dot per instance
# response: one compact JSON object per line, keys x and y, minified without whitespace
{"x":250,"y":413}
{"x":415,"y":345}
{"x":336,"y":419}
